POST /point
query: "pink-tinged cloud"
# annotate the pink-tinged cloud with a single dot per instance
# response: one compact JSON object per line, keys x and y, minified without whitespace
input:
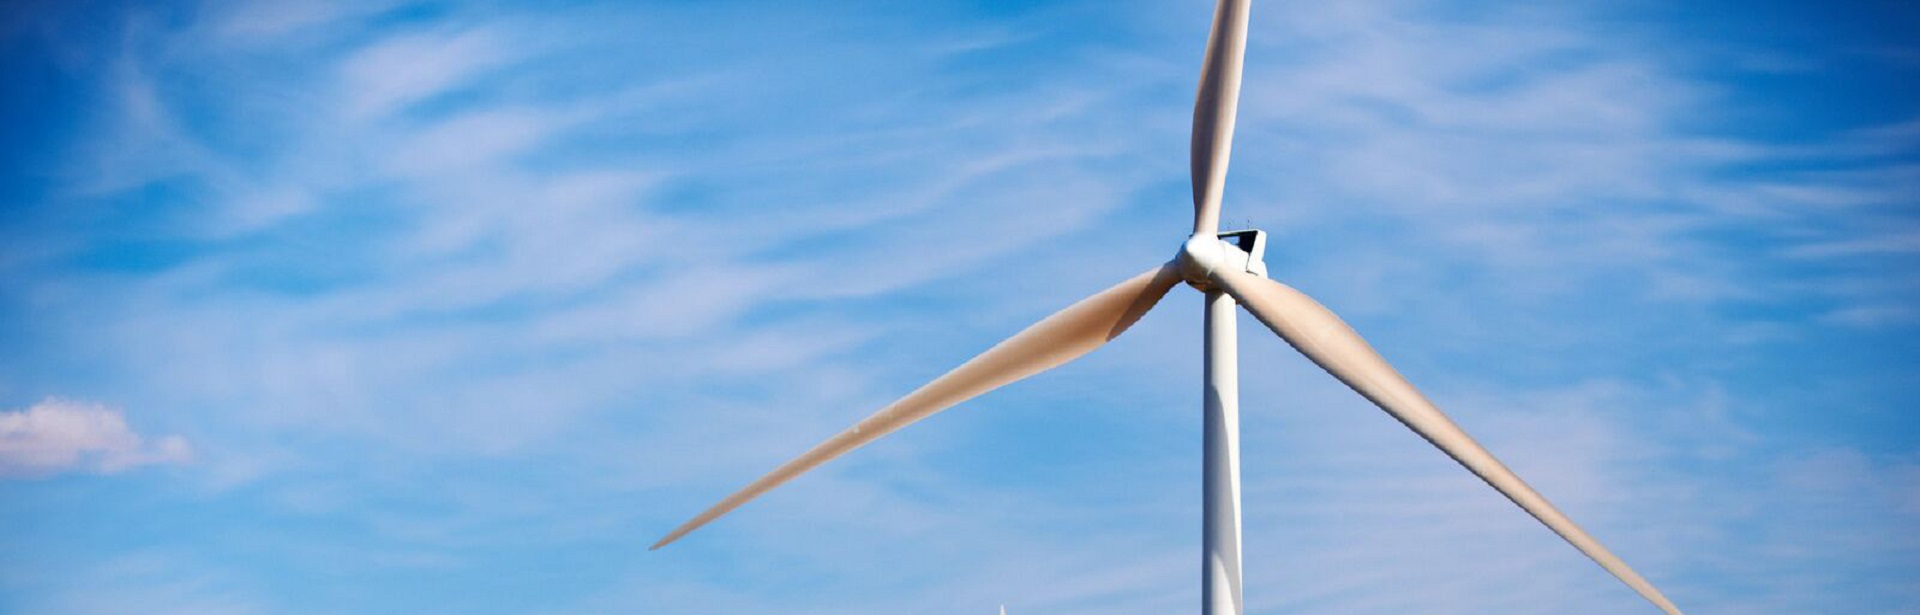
{"x":58,"y":435}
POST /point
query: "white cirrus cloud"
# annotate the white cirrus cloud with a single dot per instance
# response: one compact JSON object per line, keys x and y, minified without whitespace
{"x":58,"y":435}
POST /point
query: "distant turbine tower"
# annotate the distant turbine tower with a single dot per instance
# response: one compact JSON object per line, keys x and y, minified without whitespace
{"x":1228,"y":268}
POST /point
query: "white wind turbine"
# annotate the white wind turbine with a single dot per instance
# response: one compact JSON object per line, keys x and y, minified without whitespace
{"x":1228,"y":268}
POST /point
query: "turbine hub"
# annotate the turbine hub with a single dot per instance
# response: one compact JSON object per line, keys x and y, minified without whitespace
{"x":1202,"y":255}
{"x":1199,"y":257}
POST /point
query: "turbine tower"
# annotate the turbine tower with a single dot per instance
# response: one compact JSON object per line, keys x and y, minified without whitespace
{"x":1228,"y":268}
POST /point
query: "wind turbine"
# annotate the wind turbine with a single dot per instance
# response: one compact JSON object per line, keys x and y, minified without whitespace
{"x":1227,"y":267}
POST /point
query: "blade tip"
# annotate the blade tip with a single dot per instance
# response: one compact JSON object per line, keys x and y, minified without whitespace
{"x":664,"y":541}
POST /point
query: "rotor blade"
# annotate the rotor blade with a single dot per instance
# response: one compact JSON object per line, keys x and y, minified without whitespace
{"x":1213,"y":112}
{"x":1062,"y":337}
{"x":1329,"y":342}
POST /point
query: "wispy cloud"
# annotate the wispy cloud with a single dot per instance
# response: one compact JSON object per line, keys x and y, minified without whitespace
{"x":392,"y":74}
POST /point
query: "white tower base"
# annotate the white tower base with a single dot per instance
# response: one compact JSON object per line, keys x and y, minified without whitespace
{"x":1220,"y":532}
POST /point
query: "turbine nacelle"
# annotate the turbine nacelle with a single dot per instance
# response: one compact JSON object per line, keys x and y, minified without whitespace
{"x":1203,"y":257}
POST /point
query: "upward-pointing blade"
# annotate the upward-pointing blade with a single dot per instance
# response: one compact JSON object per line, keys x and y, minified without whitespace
{"x":1059,"y":338}
{"x":1213,"y":112}
{"x":1329,"y":342}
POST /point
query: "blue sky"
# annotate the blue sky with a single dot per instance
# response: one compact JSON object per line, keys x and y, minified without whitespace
{"x":455,"y":308}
